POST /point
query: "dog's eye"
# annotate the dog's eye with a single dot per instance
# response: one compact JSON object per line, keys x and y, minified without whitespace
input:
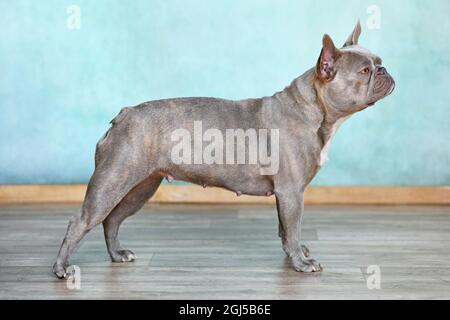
{"x":366,"y":70}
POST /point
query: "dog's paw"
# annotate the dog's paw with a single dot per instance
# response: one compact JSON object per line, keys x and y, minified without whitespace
{"x":122,"y":255}
{"x":62,"y":272}
{"x":306,"y":265}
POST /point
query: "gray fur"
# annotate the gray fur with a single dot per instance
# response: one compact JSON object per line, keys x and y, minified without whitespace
{"x":134,"y":155}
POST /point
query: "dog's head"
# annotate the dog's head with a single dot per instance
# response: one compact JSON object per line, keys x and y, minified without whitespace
{"x":351,"y":78}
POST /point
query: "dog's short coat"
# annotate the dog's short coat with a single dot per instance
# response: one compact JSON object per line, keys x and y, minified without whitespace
{"x":135,"y":154}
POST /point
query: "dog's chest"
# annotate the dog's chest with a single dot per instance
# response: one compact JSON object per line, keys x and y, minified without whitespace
{"x":326,"y":148}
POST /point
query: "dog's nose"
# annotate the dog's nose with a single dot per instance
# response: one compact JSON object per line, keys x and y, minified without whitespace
{"x":381,"y":71}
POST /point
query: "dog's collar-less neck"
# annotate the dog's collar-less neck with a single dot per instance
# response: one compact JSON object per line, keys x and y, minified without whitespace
{"x":303,"y":92}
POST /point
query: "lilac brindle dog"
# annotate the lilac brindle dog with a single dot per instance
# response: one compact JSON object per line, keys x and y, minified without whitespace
{"x":134,"y":156}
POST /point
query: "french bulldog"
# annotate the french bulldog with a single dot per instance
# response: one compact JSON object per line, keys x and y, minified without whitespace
{"x":136,"y":153}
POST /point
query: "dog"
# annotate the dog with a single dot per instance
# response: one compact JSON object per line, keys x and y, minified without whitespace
{"x":136,"y":153}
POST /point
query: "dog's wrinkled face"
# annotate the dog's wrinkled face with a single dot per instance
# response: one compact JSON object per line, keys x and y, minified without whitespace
{"x":351,"y":78}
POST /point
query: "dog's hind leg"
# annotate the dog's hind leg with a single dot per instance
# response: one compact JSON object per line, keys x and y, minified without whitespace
{"x":129,"y":205}
{"x":109,"y":184}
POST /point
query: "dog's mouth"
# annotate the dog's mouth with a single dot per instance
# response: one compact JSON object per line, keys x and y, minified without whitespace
{"x":386,"y":89}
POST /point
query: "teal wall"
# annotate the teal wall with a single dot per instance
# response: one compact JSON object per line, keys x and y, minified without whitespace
{"x":60,"y":87}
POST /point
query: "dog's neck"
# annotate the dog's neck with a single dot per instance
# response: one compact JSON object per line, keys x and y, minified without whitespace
{"x":323,"y":119}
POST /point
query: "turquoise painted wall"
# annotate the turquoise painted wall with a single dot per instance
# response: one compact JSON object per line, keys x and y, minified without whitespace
{"x":59,"y":87}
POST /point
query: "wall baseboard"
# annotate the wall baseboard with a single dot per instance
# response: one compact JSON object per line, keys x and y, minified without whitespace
{"x":28,"y":194}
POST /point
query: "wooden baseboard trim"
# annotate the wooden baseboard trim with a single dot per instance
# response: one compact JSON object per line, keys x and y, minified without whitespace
{"x":28,"y":194}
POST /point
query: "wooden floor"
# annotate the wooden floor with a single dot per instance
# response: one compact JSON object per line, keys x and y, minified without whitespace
{"x":193,"y":252}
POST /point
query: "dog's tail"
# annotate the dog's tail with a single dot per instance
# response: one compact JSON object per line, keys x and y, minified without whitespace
{"x":100,"y":144}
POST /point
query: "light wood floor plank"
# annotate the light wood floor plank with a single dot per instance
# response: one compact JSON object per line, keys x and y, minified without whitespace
{"x":229,"y":252}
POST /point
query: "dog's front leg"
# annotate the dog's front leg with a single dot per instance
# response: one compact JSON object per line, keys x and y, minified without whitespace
{"x":290,"y":209}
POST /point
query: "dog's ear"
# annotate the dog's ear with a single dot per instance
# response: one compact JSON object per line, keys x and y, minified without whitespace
{"x":327,"y":60}
{"x":353,"y":39}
